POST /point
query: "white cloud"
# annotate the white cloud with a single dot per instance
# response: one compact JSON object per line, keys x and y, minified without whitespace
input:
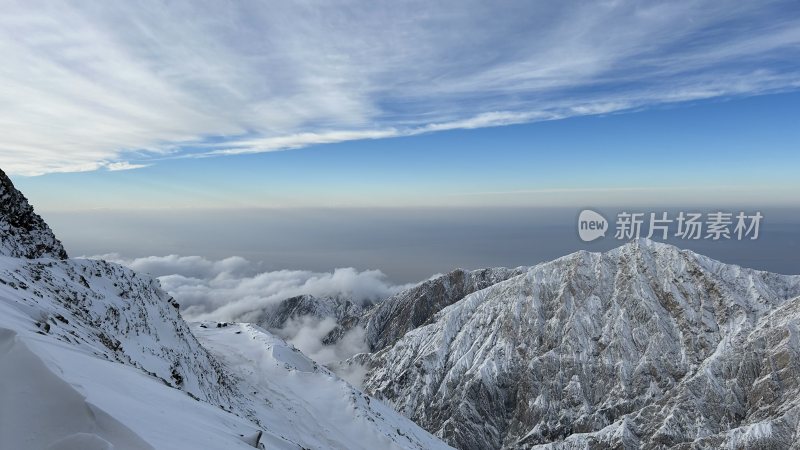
{"x":124,"y":165}
{"x":117,"y":85}
{"x":227,"y":289}
{"x":299,"y":140}
{"x":307,"y":335}
{"x":187,"y":266}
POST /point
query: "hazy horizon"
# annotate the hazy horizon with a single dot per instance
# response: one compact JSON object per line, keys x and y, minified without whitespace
{"x":407,"y":244}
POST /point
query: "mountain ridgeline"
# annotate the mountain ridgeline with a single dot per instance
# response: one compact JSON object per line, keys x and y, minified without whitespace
{"x":645,"y":346}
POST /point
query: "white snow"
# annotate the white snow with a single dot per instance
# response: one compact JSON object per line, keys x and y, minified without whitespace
{"x":294,"y":394}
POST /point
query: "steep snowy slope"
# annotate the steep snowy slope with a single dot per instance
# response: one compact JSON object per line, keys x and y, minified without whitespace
{"x":294,"y":394}
{"x":113,"y":313}
{"x":58,"y":398}
{"x":646,"y":346}
{"x":93,"y":355}
{"x":90,"y":347}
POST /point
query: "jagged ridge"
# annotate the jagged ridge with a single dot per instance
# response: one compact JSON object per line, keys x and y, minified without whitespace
{"x":646,"y":346}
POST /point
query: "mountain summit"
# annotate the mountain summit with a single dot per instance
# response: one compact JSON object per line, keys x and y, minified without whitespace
{"x":23,"y":234}
{"x":644,"y":346}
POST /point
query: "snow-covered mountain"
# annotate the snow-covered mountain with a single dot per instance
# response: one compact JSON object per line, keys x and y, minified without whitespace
{"x":645,"y":346}
{"x":301,"y":401}
{"x":94,"y":356}
{"x":332,"y":329}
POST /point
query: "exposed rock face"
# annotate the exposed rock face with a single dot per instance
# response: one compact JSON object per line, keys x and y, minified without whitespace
{"x":23,"y":234}
{"x":412,"y":308}
{"x":345,"y":312}
{"x":645,"y":346}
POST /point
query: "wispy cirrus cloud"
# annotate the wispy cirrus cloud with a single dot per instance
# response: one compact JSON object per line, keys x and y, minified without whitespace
{"x":118,"y":85}
{"x":124,"y":165}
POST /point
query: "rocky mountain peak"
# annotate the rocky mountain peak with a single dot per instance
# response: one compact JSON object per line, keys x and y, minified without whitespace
{"x":23,"y":233}
{"x":643,"y":346}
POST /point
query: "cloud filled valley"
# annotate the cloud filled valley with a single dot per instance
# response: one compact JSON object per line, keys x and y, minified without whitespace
{"x":232,"y":288}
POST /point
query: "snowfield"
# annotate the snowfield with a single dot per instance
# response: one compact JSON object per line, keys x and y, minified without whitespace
{"x":300,"y":397}
{"x":63,"y":388}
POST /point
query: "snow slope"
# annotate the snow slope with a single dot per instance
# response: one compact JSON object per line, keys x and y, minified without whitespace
{"x":96,"y":355}
{"x":392,"y":318}
{"x":301,"y":398}
{"x":88,"y":366}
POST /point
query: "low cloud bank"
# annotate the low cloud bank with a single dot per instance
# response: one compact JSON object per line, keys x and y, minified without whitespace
{"x":227,"y":289}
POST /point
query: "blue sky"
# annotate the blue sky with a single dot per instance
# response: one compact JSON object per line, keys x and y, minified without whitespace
{"x":738,"y":152}
{"x":283,"y":104}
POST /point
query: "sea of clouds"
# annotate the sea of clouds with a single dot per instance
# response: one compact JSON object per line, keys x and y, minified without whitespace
{"x":233,"y":289}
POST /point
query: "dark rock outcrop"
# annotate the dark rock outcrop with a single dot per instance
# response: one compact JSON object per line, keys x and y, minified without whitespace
{"x":23,"y":234}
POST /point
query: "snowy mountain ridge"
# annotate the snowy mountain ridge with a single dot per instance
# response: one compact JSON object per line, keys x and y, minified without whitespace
{"x":645,"y":346}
